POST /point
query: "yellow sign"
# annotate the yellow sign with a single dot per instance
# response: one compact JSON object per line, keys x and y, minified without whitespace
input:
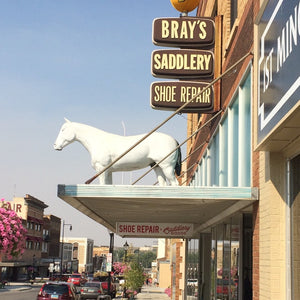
{"x":185,"y":5}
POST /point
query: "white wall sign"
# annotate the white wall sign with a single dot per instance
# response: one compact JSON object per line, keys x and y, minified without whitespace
{"x":167,"y":230}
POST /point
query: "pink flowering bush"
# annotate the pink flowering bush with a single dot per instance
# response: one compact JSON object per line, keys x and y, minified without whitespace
{"x":12,"y":233}
{"x":168,"y":291}
{"x":119,"y":268}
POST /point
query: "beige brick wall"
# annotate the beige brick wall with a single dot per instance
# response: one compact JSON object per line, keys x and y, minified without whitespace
{"x":272,"y":212}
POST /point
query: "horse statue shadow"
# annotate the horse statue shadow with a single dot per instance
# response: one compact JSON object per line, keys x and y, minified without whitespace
{"x":105,"y":147}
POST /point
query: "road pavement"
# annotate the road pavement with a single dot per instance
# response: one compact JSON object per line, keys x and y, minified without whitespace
{"x":147,"y":293}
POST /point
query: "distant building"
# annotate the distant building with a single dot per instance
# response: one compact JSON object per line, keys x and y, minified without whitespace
{"x":41,"y":240}
{"x":82,"y":250}
{"x":99,"y":257}
{"x":51,"y":236}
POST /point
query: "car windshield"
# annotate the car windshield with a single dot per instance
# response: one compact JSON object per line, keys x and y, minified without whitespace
{"x":92,"y":284}
{"x":76,"y":276}
{"x":102,"y":278}
{"x":56,"y":288}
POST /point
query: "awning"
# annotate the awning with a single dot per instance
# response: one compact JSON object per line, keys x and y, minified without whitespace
{"x":13,"y":264}
{"x":34,"y":238}
{"x":34,"y":220}
{"x":200,"y":206}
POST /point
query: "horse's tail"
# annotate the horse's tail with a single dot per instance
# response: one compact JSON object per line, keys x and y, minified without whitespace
{"x":178,"y":162}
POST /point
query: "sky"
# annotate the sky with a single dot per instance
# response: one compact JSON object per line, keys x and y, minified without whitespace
{"x":88,"y":61}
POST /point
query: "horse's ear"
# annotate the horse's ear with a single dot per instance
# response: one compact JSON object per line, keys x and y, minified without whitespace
{"x":67,"y":120}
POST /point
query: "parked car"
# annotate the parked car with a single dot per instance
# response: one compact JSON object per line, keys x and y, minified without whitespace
{"x":59,"y":277}
{"x":77,"y":279}
{"x":104,"y":281}
{"x":93,"y":290}
{"x":90,"y":276}
{"x":58,"y":290}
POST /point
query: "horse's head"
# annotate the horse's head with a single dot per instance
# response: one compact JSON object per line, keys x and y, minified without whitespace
{"x":66,"y":135}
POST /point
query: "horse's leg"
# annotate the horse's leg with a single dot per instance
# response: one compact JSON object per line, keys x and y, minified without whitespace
{"x":170,"y":175}
{"x":102,"y":179}
{"x":105,"y":178}
{"x":160,"y":176}
{"x":109,"y":177}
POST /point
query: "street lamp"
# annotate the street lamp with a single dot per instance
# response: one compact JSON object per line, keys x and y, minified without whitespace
{"x":62,"y":244}
{"x":110,"y":264}
{"x":126,"y":247}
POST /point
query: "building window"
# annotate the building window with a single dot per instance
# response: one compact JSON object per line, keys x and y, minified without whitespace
{"x":44,"y":247}
{"x":75,"y":251}
{"x":192,"y":271}
{"x":29,"y":244}
{"x":225,"y":257}
{"x":233,"y":12}
{"x":229,"y":163}
{"x":37,"y":245}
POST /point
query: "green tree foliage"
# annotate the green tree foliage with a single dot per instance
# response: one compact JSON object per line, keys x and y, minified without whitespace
{"x":145,"y":258}
{"x":134,"y":277}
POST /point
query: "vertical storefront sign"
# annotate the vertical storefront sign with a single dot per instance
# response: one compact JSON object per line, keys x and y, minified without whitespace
{"x":279,"y":63}
{"x":194,"y":61}
{"x":171,"y":95}
{"x":190,"y":32}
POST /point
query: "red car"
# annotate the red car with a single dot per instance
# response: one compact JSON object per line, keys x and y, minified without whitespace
{"x":104,"y":283}
{"x":77,"y":279}
{"x":58,"y":290}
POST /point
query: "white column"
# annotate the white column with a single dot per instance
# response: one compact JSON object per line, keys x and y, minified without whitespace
{"x":223,"y":150}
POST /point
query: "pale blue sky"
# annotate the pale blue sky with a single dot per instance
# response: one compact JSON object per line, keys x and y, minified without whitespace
{"x":88,"y":61}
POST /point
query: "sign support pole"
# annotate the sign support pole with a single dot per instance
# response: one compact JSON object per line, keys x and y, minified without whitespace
{"x":171,"y":116}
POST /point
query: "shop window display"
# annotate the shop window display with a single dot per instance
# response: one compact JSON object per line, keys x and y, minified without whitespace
{"x":193,"y":276}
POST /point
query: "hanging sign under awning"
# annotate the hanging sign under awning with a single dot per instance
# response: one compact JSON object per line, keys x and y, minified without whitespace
{"x":190,"y":32}
{"x":187,"y":63}
{"x":166,"y":230}
{"x":170,"y":95}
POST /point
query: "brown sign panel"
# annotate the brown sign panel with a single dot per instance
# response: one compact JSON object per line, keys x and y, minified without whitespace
{"x":191,"y":64}
{"x":170,"y":95}
{"x":190,"y":32}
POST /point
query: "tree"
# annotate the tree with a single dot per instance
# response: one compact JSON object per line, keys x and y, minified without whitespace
{"x":134,"y":279}
{"x":146,"y":258}
{"x":12,"y":233}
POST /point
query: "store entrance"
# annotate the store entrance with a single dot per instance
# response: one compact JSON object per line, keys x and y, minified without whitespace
{"x":231,"y":259}
{"x":219,"y":263}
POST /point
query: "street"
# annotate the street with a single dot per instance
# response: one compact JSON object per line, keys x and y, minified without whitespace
{"x":147,"y":293}
{"x":29,"y":294}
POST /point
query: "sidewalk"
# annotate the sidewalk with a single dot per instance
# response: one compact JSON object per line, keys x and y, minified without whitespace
{"x":152,"y":293}
{"x":19,"y":286}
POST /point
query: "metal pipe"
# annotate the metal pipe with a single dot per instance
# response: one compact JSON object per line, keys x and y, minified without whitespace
{"x":169,"y":118}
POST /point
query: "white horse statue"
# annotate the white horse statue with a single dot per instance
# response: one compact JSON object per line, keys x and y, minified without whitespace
{"x":105,"y":147}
